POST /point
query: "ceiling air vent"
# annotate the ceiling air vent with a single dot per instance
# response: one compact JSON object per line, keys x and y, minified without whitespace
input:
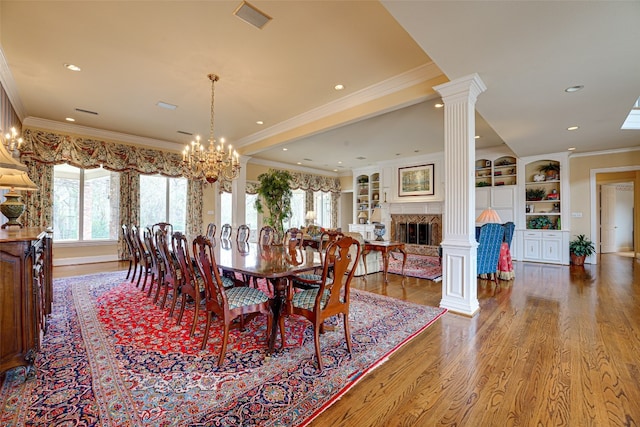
{"x":184,"y":132}
{"x":80,"y":110}
{"x":252,"y":15}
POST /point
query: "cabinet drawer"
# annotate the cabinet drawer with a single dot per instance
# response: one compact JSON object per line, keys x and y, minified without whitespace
{"x":552,"y":235}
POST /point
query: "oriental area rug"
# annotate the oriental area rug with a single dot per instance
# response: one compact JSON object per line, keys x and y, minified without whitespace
{"x":111,"y":357}
{"x":421,"y":266}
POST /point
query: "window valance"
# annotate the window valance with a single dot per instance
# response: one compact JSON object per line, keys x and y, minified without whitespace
{"x":51,"y":148}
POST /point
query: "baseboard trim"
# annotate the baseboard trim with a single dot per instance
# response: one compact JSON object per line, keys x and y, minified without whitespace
{"x":83,"y":260}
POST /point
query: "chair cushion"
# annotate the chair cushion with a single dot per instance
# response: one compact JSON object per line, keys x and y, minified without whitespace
{"x":307,"y":298}
{"x":243,"y":296}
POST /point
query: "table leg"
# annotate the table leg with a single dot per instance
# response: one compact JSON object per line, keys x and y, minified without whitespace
{"x":364,"y":261}
{"x":385,"y":263}
{"x":404,"y":258}
{"x":280,"y":291}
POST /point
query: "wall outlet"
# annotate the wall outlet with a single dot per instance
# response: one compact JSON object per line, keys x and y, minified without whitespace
{"x":209,"y":212}
{"x":576,"y":214}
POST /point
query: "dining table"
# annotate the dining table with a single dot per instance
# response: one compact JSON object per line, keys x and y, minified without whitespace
{"x":274,"y":263}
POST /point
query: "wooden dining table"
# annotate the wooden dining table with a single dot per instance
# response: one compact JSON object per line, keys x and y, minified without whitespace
{"x":272,"y":262}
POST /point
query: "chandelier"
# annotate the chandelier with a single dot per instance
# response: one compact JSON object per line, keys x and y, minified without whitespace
{"x":12,"y":142}
{"x":211,"y":163}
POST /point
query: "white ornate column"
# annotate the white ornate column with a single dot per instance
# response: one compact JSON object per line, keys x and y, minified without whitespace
{"x":239,"y":194}
{"x":459,"y":257}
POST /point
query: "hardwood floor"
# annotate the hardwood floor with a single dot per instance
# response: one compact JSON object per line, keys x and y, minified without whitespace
{"x":558,"y":345}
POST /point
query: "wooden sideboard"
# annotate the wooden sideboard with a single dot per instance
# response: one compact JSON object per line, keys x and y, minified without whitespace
{"x":25,"y":295}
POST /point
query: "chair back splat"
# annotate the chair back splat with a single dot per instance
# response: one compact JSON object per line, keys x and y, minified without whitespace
{"x":243,"y":233}
{"x":293,"y":238}
{"x":156,"y":263}
{"x":211,"y":231}
{"x":332,"y":294}
{"x":266,"y":236}
{"x":192,"y":284}
{"x":172,"y":274}
{"x":133,"y":251}
{"x":225,"y":232}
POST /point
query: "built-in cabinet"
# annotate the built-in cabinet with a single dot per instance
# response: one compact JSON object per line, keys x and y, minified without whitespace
{"x":366,"y":230}
{"x":496,"y":172}
{"x":25,"y":295}
{"x":366,"y":195}
{"x":544,"y":207}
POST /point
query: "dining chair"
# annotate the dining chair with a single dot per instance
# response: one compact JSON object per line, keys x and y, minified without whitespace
{"x":157,"y":267}
{"x":225,"y":232}
{"x":243,"y":233}
{"x":144,"y":258}
{"x":310,"y":280}
{"x":266,"y":235}
{"x":488,"y":253}
{"x":166,"y":227}
{"x":509,"y":228}
{"x":330,"y":295}
{"x":226,"y":303}
{"x":133,"y":252}
{"x":172,"y":277}
{"x":211,"y":231}
{"x":293,"y":238}
{"x":192,"y":283}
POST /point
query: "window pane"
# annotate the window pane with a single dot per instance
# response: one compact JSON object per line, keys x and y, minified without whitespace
{"x":297,"y":210}
{"x":251,"y":216}
{"x":101,"y":205}
{"x":178,"y":203}
{"x":153,"y":200}
{"x":66,"y":202}
{"x":322,"y":206}
{"x":226,"y":210}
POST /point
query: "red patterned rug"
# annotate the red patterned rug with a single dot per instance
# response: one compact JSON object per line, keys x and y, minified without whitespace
{"x":112,"y":358}
{"x":422,"y":266}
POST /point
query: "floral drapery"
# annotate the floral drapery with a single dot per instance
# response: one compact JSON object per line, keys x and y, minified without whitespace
{"x":194,"y":210}
{"x":41,"y":150}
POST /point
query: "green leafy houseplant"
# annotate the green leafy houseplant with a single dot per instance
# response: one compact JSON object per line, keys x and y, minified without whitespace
{"x":275,"y":195}
{"x":540,"y":222}
{"x":550,"y":169}
{"x":580,"y":248}
{"x":536,"y":193}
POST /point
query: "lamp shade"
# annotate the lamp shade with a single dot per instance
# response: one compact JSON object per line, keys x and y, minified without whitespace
{"x":8,"y":162}
{"x":489,"y":216}
{"x":311,"y":216}
{"x":16,"y":180}
{"x":376,"y":216}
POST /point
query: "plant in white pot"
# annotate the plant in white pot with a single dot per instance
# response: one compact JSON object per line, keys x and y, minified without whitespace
{"x":580,"y":248}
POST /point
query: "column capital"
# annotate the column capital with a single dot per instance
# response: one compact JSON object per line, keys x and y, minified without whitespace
{"x":462,"y":89}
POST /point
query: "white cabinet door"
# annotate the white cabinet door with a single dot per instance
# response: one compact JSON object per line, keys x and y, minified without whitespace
{"x":532,"y":246}
{"x":552,"y":246}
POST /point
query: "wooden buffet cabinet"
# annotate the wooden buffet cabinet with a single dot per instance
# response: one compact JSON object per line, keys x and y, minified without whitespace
{"x":25,"y":295}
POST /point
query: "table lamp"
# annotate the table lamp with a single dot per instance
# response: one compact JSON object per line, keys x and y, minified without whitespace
{"x":13,"y":175}
{"x":488,"y":216}
{"x":311,"y":217}
{"x":379,"y":227}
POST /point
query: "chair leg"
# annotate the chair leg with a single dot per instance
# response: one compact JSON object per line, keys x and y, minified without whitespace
{"x":184,"y":303}
{"x":225,"y":338}
{"x":196,"y":311}
{"x":316,"y":339}
{"x":282,"y":329}
{"x":347,"y":333}
{"x":206,"y":331}
{"x":129,"y":271}
{"x":173,"y":301}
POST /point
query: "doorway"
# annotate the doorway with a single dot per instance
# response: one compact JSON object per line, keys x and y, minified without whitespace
{"x":616,"y":217}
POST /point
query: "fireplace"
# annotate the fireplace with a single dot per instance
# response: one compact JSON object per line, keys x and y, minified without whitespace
{"x":422,"y":233}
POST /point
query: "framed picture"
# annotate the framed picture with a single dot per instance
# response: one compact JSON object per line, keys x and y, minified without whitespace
{"x":416,"y":181}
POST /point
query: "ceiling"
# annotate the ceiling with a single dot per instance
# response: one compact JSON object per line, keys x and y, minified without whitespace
{"x":388,"y":55}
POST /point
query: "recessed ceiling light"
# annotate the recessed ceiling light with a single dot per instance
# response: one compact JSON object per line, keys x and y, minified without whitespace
{"x":70,"y":119}
{"x":340,"y":162}
{"x":71,"y":67}
{"x":285,"y":149}
{"x":572,"y":89}
{"x":571,"y":148}
{"x":573,"y":128}
{"x":299,"y":163}
{"x":477,"y":137}
{"x":335,"y":170}
{"x":338,"y":87}
{"x":439,"y":105}
{"x":259,"y":122}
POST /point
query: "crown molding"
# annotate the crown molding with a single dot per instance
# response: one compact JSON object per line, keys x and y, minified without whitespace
{"x":69,"y":128}
{"x":604,"y":152}
{"x":296,"y":168}
{"x":392,"y":85}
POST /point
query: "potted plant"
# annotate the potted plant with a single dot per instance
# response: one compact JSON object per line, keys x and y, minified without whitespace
{"x":534,"y":194}
{"x":552,"y":170}
{"x":580,"y":248}
{"x":275,"y":195}
{"x":540,"y":222}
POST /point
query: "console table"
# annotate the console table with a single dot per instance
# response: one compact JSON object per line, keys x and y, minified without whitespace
{"x":25,"y":295}
{"x":386,"y":247}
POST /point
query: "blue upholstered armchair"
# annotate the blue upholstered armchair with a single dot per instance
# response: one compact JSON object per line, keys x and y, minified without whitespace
{"x":491,"y":236}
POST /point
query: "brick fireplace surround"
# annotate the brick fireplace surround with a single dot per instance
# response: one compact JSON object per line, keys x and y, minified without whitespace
{"x":422,"y":233}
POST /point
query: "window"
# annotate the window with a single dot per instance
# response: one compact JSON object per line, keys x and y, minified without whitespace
{"x":297,"y":210}
{"x":163,"y":199}
{"x":322,"y":206}
{"x":86,"y":204}
{"x":226,"y":208}
{"x":251,"y":216}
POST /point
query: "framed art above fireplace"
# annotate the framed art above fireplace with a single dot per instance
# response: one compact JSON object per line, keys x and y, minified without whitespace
{"x":416,"y":181}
